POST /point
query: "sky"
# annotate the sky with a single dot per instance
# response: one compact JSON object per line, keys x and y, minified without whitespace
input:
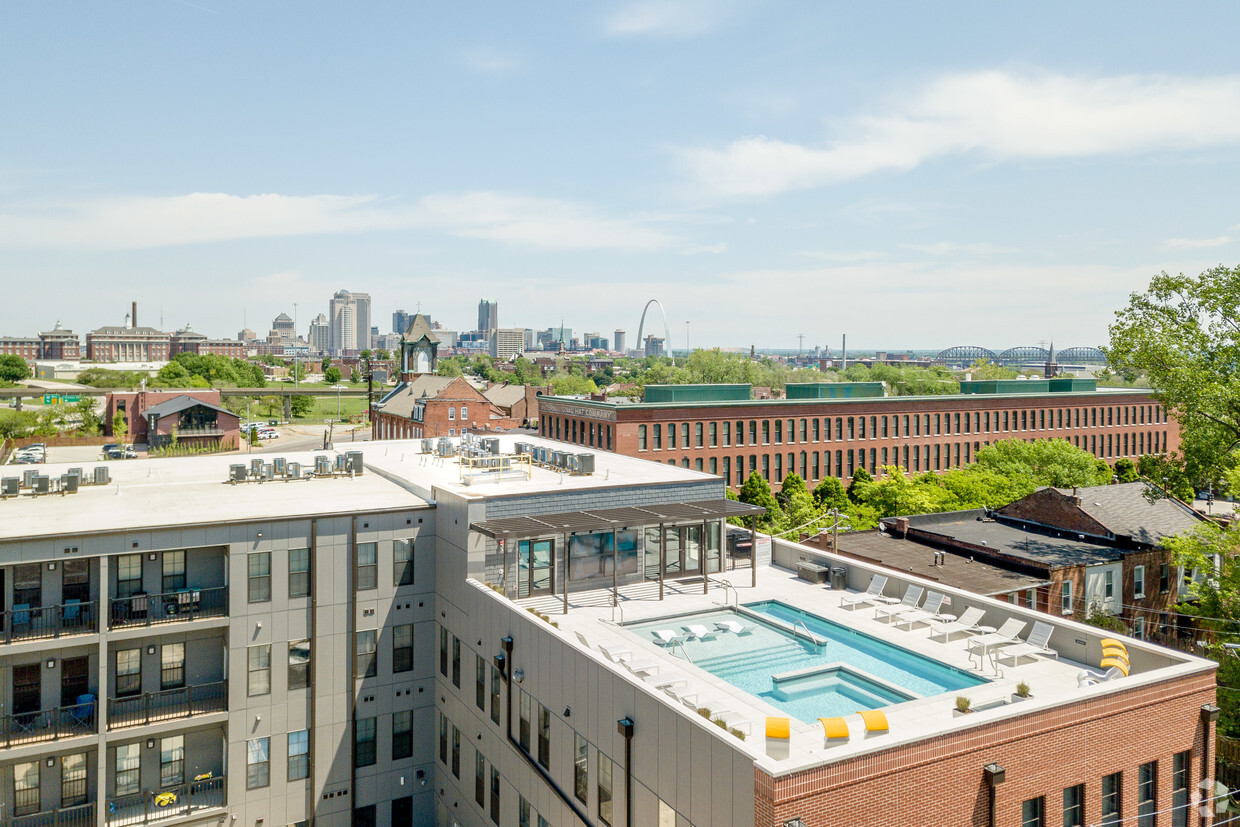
{"x":912,"y":175}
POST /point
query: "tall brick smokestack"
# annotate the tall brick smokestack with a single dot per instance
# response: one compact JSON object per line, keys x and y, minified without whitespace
{"x":133,"y":317}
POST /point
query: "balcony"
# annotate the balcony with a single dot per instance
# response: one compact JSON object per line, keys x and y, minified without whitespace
{"x":43,"y":622}
{"x":172,"y":607}
{"x":174,"y":802}
{"x":81,"y":816}
{"x":49,"y":725}
{"x":153,"y":707}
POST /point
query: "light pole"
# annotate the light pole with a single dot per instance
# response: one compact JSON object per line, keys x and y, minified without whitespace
{"x":296,"y":349}
{"x":687,"y":349}
{"x":338,"y":388}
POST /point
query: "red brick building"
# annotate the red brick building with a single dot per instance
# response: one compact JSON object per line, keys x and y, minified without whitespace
{"x":127,"y":344}
{"x":191,"y":341}
{"x":433,"y":406}
{"x":721,"y":430}
{"x":212,"y":422}
{"x":57,"y":343}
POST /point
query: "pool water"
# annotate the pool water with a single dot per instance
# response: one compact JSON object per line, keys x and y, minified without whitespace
{"x":842,"y":672}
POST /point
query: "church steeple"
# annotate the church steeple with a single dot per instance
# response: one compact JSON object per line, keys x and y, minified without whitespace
{"x":419,"y":349}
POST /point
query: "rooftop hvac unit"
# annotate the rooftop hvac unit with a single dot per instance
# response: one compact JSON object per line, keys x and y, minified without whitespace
{"x":102,"y":475}
{"x":28,"y":476}
{"x":491,"y":445}
{"x":292,"y":471}
{"x":69,"y":483}
{"x":570,"y":463}
{"x":266,"y":472}
{"x":559,"y":459}
{"x":322,"y":465}
{"x":77,"y":472}
{"x":236,"y":473}
{"x":256,"y":468}
{"x":540,"y":455}
{"x":9,"y":486}
{"x":353,"y":462}
{"x":339,"y":464}
{"x":428,"y":446}
{"x":444,"y":447}
{"x":278,"y":465}
{"x":585,"y":463}
{"x":42,"y":484}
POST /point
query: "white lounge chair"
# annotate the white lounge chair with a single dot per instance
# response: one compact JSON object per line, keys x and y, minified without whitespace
{"x":966,"y":624}
{"x":700,"y":632}
{"x":866,"y":598}
{"x":928,"y":613}
{"x":1008,"y":634}
{"x":582,"y":639}
{"x":908,"y":603}
{"x":736,"y":628}
{"x":615,"y":654}
{"x":1088,"y":677}
{"x":1037,"y":644}
{"x":665,"y":681}
{"x":642,"y":670}
{"x":666,"y":637}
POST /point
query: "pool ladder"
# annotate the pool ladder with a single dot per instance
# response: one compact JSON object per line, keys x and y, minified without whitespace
{"x":676,"y":643}
{"x":808,"y":633}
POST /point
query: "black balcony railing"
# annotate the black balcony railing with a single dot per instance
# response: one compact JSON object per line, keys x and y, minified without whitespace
{"x":173,"y":802}
{"x":40,"y":622}
{"x":167,"y":705}
{"x":171,"y":607}
{"x":48,"y":725}
{"x":81,"y":816}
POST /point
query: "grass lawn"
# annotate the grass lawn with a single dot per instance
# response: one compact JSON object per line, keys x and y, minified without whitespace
{"x":325,"y":408}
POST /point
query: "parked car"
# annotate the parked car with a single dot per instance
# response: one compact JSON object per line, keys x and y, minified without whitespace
{"x":114,"y":451}
{"x":267,"y":433}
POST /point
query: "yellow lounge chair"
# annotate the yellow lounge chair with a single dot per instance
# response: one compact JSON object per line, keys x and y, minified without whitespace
{"x":875,"y":720}
{"x":1110,"y":641}
{"x":1121,"y":665}
{"x":779,"y":728}
{"x":834,"y":727}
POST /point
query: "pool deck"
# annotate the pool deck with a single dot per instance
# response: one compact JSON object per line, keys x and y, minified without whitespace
{"x":1053,"y":682}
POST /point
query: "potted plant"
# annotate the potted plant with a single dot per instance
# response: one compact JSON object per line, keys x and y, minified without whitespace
{"x":963,"y":706}
{"x":1021,"y":693}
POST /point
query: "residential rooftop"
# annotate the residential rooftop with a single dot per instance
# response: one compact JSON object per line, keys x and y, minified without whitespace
{"x":975,"y":527}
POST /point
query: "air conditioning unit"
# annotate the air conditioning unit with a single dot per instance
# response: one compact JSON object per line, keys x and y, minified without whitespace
{"x":42,"y":484}
{"x":69,"y":483}
{"x":292,"y":471}
{"x":353,"y":462}
{"x":585,"y":463}
{"x":322,"y":466}
{"x":491,"y":445}
{"x":77,"y":472}
{"x":9,"y":486}
{"x":102,"y":475}
{"x":236,"y":473}
{"x":28,"y":476}
{"x":256,"y":468}
{"x":278,"y":465}
{"x":428,"y":446}
{"x":339,"y":466}
{"x":267,"y":472}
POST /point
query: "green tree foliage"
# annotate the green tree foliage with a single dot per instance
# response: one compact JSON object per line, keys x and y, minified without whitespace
{"x":1042,"y":462}
{"x":757,"y":491}
{"x":382,"y":355}
{"x":301,"y":405}
{"x":792,"y":484}
{"x":910,"y":381}
{"x":985,"y":370}
{"x":270,"y":404}
{"x":1163,"y":470}
{"x":860,"y":481}
{"x":332,"y":375}
{"x":325,"y":364}
{"x":15,"y":424}
{"x":450,"y":367}
{"x":830,"y":494}
{"x":209,"y":370}
{"x":105,"y":378}
{"x":120,"y":428}
{"x":13,"y":368}
{"x":1126,"y":470}
{"x":89,"y":421}
{"x":356,"y":376}
{"x":567,"y":384}
{"x":1184,"y":333}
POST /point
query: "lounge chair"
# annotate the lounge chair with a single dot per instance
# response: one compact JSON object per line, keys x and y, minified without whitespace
{"x":866,"y":598}
{"x":1008,"y":634}
{"x":1088,"y":677}
{"x":615,"y":654}
{"x":928,"y":613}
{"x":666,"y":637}
{"x":875,"y":720}
{"x":908,"y":603}
{"x":642,"y":670}
{"x":966,"y":624}
{"x":1035,"y":645}
{"x":834,"y":728}
{"x":582,"y":639}
{"x":700,"y":632}
{"x":664,"y":682}
{"x":736,"y":628}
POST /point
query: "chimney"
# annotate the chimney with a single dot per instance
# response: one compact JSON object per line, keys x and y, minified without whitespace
{"x":902,"y":526}
{"x":134,"y":314}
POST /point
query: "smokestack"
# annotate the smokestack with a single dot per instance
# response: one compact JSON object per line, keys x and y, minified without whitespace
{"x":843,"y":345}
{"x":134,"y":314}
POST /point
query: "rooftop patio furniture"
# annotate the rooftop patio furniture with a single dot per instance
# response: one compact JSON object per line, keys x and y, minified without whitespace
{"x":834,"y":728}
{"x":1037,"y":644}
{"x":868,"y":597}
{"x":700,"y":632}
{"x":666,"y":637}
{"x":735,"y":627}
{"x":928,"y":613}
{"x":966,"y":624}
{"x":912,"y":596}
{"x":1007,"y":634}
{"x":875,"y":720}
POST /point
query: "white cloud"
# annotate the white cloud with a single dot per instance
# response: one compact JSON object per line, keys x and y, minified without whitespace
{"x":1194,"y":243}
{"x":135,"y":223}
{"x":996,"y":115}
{"x":489,"y":61}
{"x":667,"y":18}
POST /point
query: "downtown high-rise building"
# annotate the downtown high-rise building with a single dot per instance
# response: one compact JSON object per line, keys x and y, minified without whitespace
{"x":350,"y":322}
{"x":401,"y":321}
{"x":320,"y":336}
{"x":488,"y":315}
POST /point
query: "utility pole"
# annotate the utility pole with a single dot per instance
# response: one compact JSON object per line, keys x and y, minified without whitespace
{"x":687,"y":348}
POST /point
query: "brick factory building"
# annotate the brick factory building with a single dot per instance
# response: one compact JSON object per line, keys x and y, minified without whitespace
{"x":831,"y":429}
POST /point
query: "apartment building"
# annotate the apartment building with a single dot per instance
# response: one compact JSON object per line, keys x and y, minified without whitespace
{"x":456,"y":639}
{"x":832,"y":429}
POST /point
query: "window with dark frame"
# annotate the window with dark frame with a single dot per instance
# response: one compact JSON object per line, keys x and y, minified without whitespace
{"x":128,"y":672}
{"x":1147,"y":794}
{"x":1074,"y":806}
{"x":171,"y":666}
{"x":299,"y":572}
{"x":172,"y":761}
{"x":258,"y":763}
{"x":173,"y":564}
{"x":1112,"y":798}
{"x":298,"y":664}
{"x":73,"y":790}
{"x":1032,"y":812}
{"x":299,"y":754}
{"x":364,"y":742}
{"x":258,"y":670}
{"x":402,"y":648}
{"x":259,"y":577}
{"x":402,"y":562}
{"x":402,"y":735}
{"x":367,"y":566}
{"x":1179,"y":788}
{"x":365,"y":647}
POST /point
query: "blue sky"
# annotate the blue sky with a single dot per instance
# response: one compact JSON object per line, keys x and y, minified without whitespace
{"x":913,"y":175}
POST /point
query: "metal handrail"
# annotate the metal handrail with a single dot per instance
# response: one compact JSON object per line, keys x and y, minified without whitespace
{"x":47,"y":725}
{"x":810,"y":635}
{"x":182,"y":702}
{"x":683,"y":651}
{"x":38,"y":622}
{"x":171,"y":802}
{"x":169,"y":607}
{"x":82,"y":815}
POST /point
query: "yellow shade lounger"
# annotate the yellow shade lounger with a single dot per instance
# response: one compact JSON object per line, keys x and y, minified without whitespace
{"x":1110,"y":641}
{"x":1121,"y":665}
{"x":875,"y":720}
{"x":1115,"y":653}
{"x":834,"y":727}
{"x":779,"y":728}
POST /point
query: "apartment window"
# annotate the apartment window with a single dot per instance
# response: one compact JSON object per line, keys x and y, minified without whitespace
{"x":1164,"y":578}
{"x":172,"y":761}
{"x":641,"y":437}
{"x":1032,"y":812}
{"x":1065,"y":603}
{"x":402,"y":735}
{"x":714,"y":434}
{"x":1112,"y":798}
{"x":658,"y":437}
{"x":817,"y":431}
{"x":128,"y":576}
{"x":172,"y":666}
{"x":480,"y":691}
{"x":73,"y":780}
{"x":402,"y":648}
{"x":259,"y":565}
{"x":258,"y":670}
{"x":494,"y":695}
{"x":299,"y":754}
{"x":779,"y":432}
{"x":443,"y":740}
{"x":456,"y":662}
{"x":1108,"y":584}
{"x":299,"y":572}
{"x":544,"y":737}
{"x":298,"y":664}
{"x":753,"y":432}
{"x":1179,"y":789}
{"x":364,"y":742}
{"x":1074,"y":806}
{"x":365,"y":816}
{"x":1138,"y":581}
{"x":456,"y":753}
{"x":524,"y":813}
{"x":727,"y":434}
{"x":128,"y":765}
{"x":443,"y":651}
{"x":697,"y":434}
{"x":494,"y":795}
{"x":464,"y":413}
{"x":174,"y":571}
{"x":26,"y":797}
{"x":480,"y":779}
{"x":604,"y":789}
{"x":524,"y":718}
{"x":128,"y":671}
{"x":367,"y":566}
{"x":402,"y":812}
{"x":364,"y":651}
{"x":684,"y":435}
{"x":75,"y":581}
{"x":451,"y":413}
{"x":1147,"y":794}
{"x":581,"y":768}
{"x":671,"y":435}
{"x":257,"y":763}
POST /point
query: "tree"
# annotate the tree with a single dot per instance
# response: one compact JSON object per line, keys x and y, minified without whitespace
{"x":13,"y":368}
{"x":301,"y":405}
{"x":270,"y":404}
{"x":382,"y":355}
{"x":89,"y":421}
{"x":449,"y":367}
{"x":120,"y":428}
{"x":332,"y":375}
{"x":757,"y":491}
{"x":856,"y":489}
{"x":355,"y":376}
{"x":1184,"y":333}
{"x":1168,"y":472}
{"x":830,"y":494}
{"x":984,"y":369}
{"x":792,"y":484}
{"x":1042,"y":462}
{"x":1126,"y":470}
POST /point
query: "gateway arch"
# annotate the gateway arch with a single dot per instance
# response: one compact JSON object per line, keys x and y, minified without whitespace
{"x":667,"y":336}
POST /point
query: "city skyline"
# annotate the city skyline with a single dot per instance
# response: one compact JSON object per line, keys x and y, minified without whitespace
{"x":762,"y":171}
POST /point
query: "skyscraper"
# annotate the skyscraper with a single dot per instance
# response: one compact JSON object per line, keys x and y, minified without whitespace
{"x":488,"y":315}
{"x":618,"y":341}
{"x":350,"y":321}
{"x":400,"y":321}
{"x":320,"y":335}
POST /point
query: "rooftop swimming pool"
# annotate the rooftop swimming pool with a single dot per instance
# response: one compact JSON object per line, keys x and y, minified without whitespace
{"x":839,"y":672}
